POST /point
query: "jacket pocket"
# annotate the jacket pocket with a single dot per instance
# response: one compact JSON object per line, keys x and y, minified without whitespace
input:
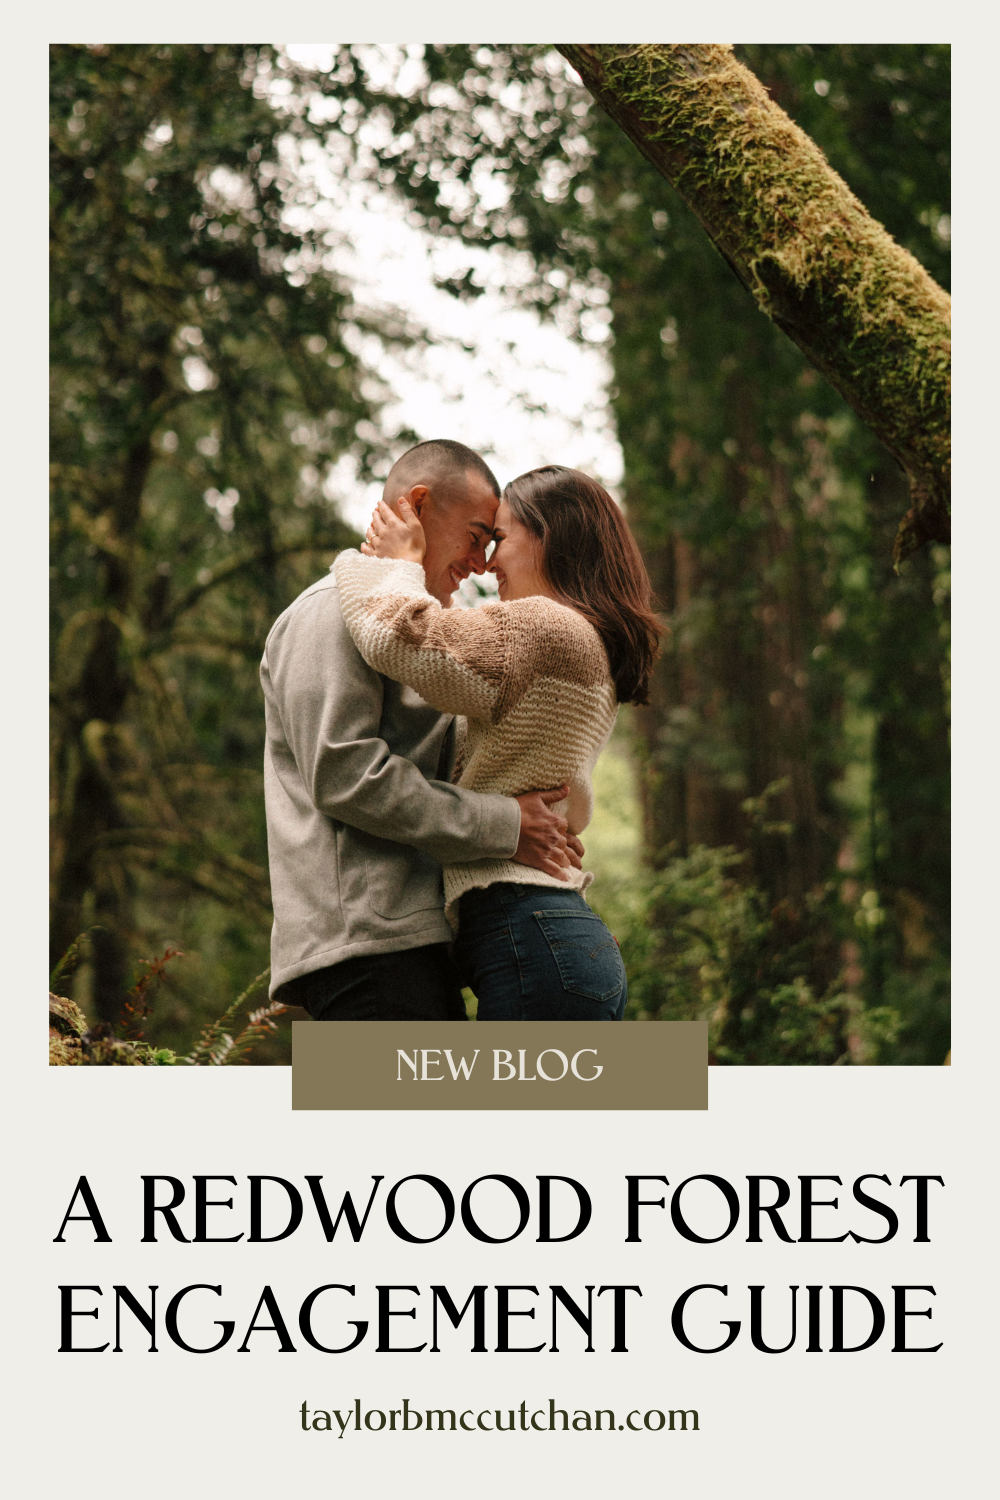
{"x":401,"y":880}
{"x":586,"y":954}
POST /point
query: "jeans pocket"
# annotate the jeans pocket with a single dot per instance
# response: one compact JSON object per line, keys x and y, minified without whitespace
{"x":586,"y":954}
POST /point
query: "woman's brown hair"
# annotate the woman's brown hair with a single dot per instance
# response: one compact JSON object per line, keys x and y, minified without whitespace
{"x":591,"y":560}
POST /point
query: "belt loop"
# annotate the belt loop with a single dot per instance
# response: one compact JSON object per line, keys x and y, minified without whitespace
{"x":510,"y":891}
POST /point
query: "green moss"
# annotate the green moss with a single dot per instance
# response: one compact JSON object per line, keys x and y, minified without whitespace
{"x":861,"y":308}
{"x":72,"y":1044}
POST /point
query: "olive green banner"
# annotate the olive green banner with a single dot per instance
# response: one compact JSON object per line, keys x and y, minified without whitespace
{"x":499,"y":1065}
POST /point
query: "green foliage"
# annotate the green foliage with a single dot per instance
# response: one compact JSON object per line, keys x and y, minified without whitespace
{"x":613,"y":838}
{"x":204,"y":386}
{"x":799,"y":668}
{"x":793,"y":761}
{"x":70,"y":959}
{"x":701,"y":941}
{"x":708,"y":945}
{"x":73,"y":1043}
{"x":780,"y":982}
{"x":217,"y":1045}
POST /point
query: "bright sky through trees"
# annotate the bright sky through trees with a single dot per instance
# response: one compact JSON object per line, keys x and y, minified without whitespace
{"x":492,"y":375}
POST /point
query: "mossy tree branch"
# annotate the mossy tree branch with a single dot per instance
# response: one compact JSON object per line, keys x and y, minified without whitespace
{"x":861,"y":308}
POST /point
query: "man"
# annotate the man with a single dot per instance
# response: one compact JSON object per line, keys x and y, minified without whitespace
{"x":361,"y":813}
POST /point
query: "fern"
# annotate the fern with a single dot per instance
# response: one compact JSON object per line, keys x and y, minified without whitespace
{"x":259,"y":1024}
{"x":216,"y":1045}
{"x":137,"y":1003}
{"x":67,"y":964}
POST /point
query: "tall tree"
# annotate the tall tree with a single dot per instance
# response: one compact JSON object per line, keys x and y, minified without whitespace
{"x":787,"y":699}
{"x":201,"y":388}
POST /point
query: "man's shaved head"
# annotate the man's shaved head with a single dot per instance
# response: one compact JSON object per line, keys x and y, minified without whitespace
{"x":443,"y":466}
{"x":455,"y":495}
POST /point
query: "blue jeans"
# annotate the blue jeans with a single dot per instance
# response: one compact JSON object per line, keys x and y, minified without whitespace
{"x":532,"y":953}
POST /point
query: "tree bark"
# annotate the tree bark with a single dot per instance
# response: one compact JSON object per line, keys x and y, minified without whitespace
{"x":860,"y":307}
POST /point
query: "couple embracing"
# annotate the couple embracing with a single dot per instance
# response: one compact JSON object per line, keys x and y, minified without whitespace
{"x":409,"y":741}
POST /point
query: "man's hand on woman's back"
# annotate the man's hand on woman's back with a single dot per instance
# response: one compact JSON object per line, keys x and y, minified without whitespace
{"x":545,"y":843}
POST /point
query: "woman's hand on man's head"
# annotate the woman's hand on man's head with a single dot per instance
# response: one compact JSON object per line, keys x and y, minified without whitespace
{"x":399,"y":536}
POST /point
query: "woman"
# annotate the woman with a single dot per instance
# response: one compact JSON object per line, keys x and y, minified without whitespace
{"x":538,"y":678}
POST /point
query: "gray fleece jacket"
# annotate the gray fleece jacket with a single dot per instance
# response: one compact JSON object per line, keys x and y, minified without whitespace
{"x":361,"y":814}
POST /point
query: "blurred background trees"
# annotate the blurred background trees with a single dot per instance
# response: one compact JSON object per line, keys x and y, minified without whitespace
{"x":199,"y":368}
{"x":792,"y":765}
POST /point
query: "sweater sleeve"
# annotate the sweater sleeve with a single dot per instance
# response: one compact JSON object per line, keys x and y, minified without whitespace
{"x":324,"y":711}
{"x":454,"y":658}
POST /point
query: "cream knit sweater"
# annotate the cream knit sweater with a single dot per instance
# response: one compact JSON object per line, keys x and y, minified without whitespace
{"x":530,"y":677}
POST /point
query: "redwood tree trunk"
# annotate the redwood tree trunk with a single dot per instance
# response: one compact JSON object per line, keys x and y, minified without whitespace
{"x":860,"y":307}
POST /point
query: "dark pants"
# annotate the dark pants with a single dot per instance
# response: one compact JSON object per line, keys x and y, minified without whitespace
{"x":417,"y":984}
{"x":532,"y":953}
